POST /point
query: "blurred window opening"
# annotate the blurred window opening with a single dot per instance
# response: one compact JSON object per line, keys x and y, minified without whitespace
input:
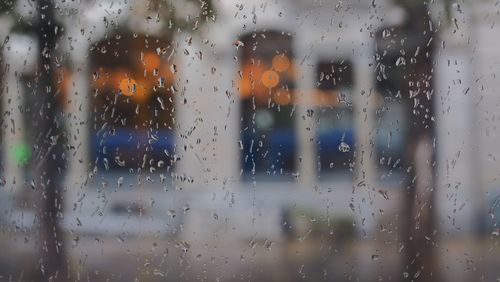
{"x":390,"y":140}
{"x":391,"y":122}
{"x":132,"y":101}
{"x":334,"y":81}
{"x":266,"y":85}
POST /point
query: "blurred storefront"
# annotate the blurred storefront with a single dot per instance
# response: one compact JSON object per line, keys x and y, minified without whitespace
{"x":272,"y":117}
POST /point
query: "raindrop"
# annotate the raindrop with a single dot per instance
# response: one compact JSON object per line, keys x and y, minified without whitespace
{"x":400,"y":62}
{"x":173,"y":68}
{"x":120,"y":239}
{"x":238,"y":44}
{"x":344,"y":147}
{"x":351,"y":206}
{"x":171,"y":213}
{"x":383,"y":194}
{"x":32,"y":184}
{"x":161,"y":82}
{"x":95,"y":76}
{"x":162,"y":104}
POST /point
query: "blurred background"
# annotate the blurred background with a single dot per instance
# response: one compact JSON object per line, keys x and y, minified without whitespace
{"x":256,"y":140}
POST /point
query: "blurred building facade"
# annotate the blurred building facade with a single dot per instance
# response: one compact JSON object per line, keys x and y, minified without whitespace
{"x":269,"y":108}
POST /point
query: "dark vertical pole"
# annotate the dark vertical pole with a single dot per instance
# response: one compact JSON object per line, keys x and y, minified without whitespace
{"x":48,"y":146}
{"x":418,"y":224}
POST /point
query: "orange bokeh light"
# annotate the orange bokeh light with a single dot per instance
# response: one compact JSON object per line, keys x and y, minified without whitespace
{"x":281,"y":63}
{"x":282,"y":97}
{"x":141,"y":95}
{"x":245,"y":86}
{"x":151,"y":61}
{"x":247,"y":83}
{"x":128,"y":86}
{"x":270,"y":78}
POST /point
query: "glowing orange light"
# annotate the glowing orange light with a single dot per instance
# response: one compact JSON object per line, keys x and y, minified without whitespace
{"x":245,"y":87}
{"x":326,"y":98}
{"x":117,"y":75}
{"x":282,"y":97}
{"x":249,"y":73}
{"x":151,"y":61}
{"x":141,"y":95}
{"x":128,"y":86}
{"x":270,"y":78}
{"x":63,"y":82}
{"x":281,"y":63}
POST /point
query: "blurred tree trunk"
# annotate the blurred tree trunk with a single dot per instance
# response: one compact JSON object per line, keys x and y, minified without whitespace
{"x":48,"y":155}
{"x":418,"y":220}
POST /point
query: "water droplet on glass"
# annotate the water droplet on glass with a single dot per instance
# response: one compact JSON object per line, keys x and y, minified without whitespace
{"x":400,"y":62}
{"x":344,"y":147}
{"x":383,"y":194}
{"x":171,"y":213}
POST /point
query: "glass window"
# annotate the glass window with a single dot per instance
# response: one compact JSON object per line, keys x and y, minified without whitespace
{"x":333,"y":100}
{"x":132,"y":103}
{"x":221,"y":140}
{"x":266,"y":86}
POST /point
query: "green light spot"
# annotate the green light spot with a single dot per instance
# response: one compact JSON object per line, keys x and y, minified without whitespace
{"x":21,"y":153}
